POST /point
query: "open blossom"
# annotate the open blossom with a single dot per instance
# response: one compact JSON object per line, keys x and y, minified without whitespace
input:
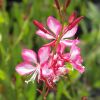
{"x":48,"y":66}
{"x":55,"y":26}
{"x":41,"y":69}
{"x":74,"y":58}
{"x":53,"y":69}
{"x":31,"y":65}
{"x":50,"y":63}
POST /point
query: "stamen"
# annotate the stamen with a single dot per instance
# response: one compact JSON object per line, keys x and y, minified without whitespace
{"x":32,"y":78}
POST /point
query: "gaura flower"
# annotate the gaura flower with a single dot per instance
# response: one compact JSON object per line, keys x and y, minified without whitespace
{"x":74,"y":58}
{"x":31,"y":65}
{"x":48,"y":68}
{"x":55,"y":26}
{"x":52,"y":70}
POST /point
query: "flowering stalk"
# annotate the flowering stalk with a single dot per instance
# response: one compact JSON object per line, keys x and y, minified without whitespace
{"x":50,"y":62}
{"x":67,"y":2}
{"x":59,"y":10}
{"x":57,"y":4}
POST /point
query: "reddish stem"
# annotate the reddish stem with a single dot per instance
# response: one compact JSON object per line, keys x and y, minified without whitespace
{"x":57,"y":4}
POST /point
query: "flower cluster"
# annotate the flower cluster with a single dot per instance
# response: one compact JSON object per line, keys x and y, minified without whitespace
{"x":51,"y":61}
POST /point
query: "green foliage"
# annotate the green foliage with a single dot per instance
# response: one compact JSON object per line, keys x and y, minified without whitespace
{"x":17,"y":31}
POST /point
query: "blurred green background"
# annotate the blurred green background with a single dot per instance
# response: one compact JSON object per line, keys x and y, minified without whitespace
{"x":17,"y":31}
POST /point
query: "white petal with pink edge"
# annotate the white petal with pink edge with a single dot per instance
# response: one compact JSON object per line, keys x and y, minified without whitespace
{"x":46,"y":72}
{"x":78,"y":67}
{"x":68,"y":42}
{"x":29,"y":55}
{"x":75,"y":52}
{"x":43,"y":54}
{"x":54,"y":25}
{"x":25,"y":68}
{"x":44,"y":35}
{"x":71,"y":32}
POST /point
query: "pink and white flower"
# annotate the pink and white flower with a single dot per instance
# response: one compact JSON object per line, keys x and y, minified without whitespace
{"x":31,"y":64}
{"x":49,"y":66}
{"x":74,"y":58}
{"x":41,"y":69}
{"x":56,"y":27}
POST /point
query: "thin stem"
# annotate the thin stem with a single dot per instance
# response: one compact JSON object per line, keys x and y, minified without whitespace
{"x":61,"y":16}
{"x":43,"y":92}
{"x":39,"y":91}
{"x":46,"y":94}
{"x":59,"y":10}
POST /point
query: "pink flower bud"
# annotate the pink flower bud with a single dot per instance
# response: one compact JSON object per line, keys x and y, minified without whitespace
{"x":75,"y":22}
{"x":40,"y":26}
{"x":72,"y":17}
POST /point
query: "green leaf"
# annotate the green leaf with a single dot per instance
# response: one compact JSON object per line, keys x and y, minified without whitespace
{"x":2,"y":75}
{"x":97,"y":84}
{"x":2,"y":20}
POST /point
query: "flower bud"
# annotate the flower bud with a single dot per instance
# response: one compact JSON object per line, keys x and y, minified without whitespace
{"x":72,"y":17}
{"x":40,"y":26}
{"x":67,"y":2}
{"x":75,"y":22}
{"x":57,"y":4}
{"x":1,"y":3}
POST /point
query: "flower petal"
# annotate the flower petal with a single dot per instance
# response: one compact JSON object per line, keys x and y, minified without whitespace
{"x":54,"y":25}
{"x":68,"y":42}
{"x":46,"y":72}
{"x":66,"y":57}
{"x":29,"y":55}
{"x":61,"y":47}
{"x":75,"y":52}
{"x":43,"y":54}
{"x":71,"y":32}
{"x":78,"y":67}
{"x":62,"y":71}
{"x":76,"y":58}
{"x":44,"y":35}
{"x":25,"y":68}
